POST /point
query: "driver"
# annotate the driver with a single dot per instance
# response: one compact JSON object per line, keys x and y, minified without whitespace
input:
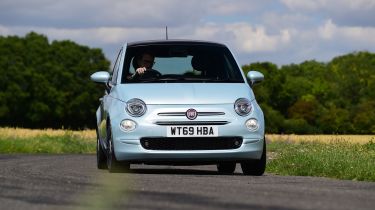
{"x":145,"y":62}
{"x":143,"y":67}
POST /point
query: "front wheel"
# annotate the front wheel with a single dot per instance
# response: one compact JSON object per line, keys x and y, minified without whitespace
{"x":255,"y":167}
{"x":226,"y":167}
{"x":101,"y":159}
{"x":112,"y":163}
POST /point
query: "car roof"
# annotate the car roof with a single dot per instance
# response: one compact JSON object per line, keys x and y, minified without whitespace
{"x":174,"y":42}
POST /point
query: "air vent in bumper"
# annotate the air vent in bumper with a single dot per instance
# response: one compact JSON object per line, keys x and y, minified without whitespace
{"x":196,"y":143}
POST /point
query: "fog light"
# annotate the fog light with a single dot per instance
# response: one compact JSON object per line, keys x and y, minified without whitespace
{"x":252,"y":124}
{"x":147,"y":144}
{"x":128,"y":125}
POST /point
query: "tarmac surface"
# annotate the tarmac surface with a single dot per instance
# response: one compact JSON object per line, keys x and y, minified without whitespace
{"x":73,"y":182}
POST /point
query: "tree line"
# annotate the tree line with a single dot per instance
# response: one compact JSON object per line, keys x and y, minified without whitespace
{"x":337,"y":97}
{"x":46,"y":85}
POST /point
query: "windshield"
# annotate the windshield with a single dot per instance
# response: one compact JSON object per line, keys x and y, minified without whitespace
{"x":180,"y":63}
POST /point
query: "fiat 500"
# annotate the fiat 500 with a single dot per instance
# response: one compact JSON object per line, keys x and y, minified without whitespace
{"x":179,"y":102}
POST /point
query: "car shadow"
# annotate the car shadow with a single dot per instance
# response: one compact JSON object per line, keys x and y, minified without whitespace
{"x":178,"y":171}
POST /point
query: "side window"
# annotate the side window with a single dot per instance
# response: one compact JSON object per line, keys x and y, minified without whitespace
{"x":116,"y":69}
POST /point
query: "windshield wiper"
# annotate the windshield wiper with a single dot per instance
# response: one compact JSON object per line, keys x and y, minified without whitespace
{"x":172,"y":79}
{"x":149,"y":80}
{"x":182,"y":79}
{"x":166,"y":80}
{"x":227,"y":80}
{"x":221,"y":80}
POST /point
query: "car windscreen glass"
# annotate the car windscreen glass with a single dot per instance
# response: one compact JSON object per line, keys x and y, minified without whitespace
{"x":181,"y":63}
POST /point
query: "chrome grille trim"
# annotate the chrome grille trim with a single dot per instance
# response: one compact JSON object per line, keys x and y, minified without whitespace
{"x":171,"y":114}
{"x":183,"y":113}
{"x":191,"y":122}
{"x":210,"y":113}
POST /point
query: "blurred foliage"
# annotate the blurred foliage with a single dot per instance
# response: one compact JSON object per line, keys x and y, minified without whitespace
{"x":337,"y":97}
{"x":46,"y":84}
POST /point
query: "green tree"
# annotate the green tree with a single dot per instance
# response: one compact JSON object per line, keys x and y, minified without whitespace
{"x":47,"y":84}
{"x":315,"y":97}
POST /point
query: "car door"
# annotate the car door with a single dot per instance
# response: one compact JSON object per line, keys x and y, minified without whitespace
{"x":105,"y":101}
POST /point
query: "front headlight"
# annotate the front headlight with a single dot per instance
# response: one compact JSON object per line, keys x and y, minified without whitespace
{"x":242,"y":106}
{"x":136,"y":107}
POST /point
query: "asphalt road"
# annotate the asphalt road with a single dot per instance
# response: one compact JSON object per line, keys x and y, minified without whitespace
{"x":73,"y":182}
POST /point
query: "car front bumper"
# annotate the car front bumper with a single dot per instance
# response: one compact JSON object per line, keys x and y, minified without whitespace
{"x":133,"y":151}
{"x":128,"y":145}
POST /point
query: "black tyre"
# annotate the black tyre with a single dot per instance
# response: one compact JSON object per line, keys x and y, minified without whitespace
{"x":226,"y":167}
{"x":255,"y":167}
{"x":101,"y":159}
{"x":112,"y":163}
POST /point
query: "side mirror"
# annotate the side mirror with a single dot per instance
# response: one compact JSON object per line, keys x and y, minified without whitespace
{"x":254,"y":77}
{"x":100,"y":77}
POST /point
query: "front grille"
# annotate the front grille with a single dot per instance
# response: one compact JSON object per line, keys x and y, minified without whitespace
{"x":191,"y":143}
{"x":184,"y":113}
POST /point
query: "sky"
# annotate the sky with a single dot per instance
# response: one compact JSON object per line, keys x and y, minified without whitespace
{"x":279,"y":31}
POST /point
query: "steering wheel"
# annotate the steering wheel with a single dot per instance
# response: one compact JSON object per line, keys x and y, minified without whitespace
{"x":148,"y":74}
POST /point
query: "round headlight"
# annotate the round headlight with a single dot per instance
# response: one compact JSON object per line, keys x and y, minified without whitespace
{"x":136,"y":107}
{"x":128,"y":125}
{"x":242,"y":106}
{"x":252,"y":124}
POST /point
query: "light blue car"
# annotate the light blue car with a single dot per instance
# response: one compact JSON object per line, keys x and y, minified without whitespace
{"x":179,"y":102}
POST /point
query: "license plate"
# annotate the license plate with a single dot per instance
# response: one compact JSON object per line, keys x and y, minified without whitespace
{"x":192,"y":131}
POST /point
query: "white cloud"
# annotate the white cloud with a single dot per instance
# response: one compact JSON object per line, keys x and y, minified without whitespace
{"x":361,"y":37}
{"x":255,"y":39}
{"x":342,"y":12}
{"x":244,"y":37}
{"x":282,"y":31}
{"x":120,"y":13}
{"x":274,"y":22}
{"x":100,"y":13}
{"x":312,"y":5}
{"x":101,"y":35}
{"x":327,"y":31}
{"x":304,"y":5}
{"x":225,"y":7}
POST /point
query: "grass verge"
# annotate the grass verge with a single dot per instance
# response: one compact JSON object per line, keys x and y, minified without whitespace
{"x":340,"y":157}
{"x":341,"y":160}
{"x":67,"y":142}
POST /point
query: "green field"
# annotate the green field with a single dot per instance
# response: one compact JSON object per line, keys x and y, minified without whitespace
{"x":45,"y":142}
{"x":341,"y":158}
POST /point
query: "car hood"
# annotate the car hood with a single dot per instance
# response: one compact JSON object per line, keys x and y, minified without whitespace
{"x":184,"y":93}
